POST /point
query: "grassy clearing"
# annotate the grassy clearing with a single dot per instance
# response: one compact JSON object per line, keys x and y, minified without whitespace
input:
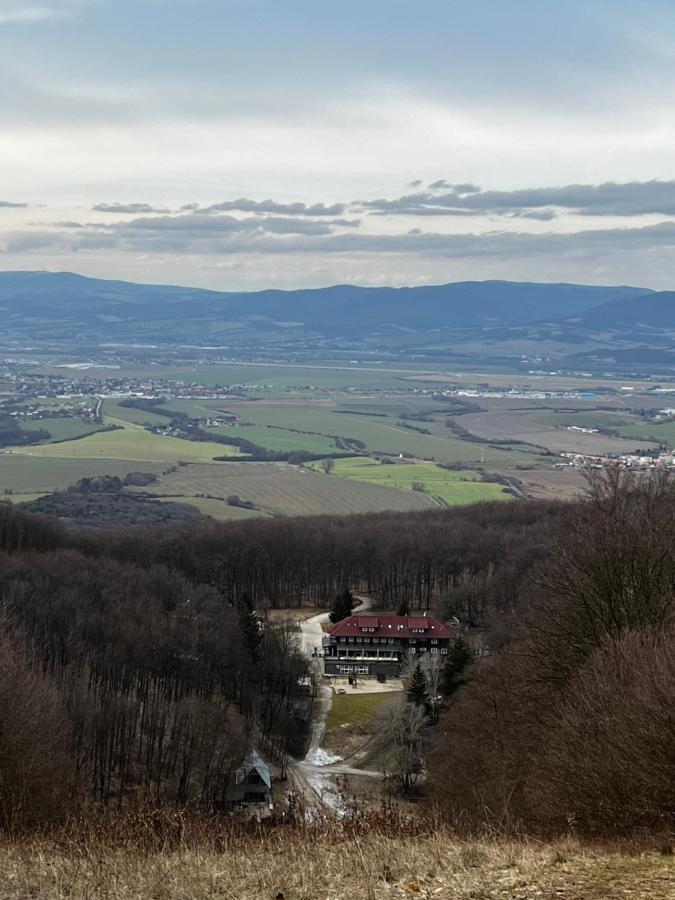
{"x":130,"y":442}
{"x":308,"y":865}
{"x":453,"y":487}
{"x":354,"y":709}
{"x":585,"y":419}
{"x":279,"y":438}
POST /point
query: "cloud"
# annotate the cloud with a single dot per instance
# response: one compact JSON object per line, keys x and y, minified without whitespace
{"x":7,"y":204}
{"x":226,"y":235}
{"x":632,"y":198}
{"x":17,"y":12}
{"x":133,"y":208}
{"x":272,"y":206}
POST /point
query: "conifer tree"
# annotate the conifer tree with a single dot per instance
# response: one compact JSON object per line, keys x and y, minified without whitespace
{"x":459,"y":657}
{"x":417,"y":689}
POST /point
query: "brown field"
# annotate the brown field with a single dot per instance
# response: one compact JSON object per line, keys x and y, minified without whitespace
{"x":550,"y":484}
{"x":520,"y":425}
{"x":323,"y":864}
{"x":281,"y":489}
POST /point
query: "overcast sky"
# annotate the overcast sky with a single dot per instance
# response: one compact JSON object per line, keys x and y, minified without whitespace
{"x":285,"y":143}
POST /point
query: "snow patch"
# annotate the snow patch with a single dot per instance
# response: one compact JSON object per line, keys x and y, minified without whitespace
{"x":320,"y":757}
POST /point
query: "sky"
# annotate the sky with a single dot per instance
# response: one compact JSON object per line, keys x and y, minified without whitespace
{"x":248,"y":144}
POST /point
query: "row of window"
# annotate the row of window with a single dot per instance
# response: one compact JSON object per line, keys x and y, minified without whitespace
{"x":377,"y":640}
{"x":424,"y":650}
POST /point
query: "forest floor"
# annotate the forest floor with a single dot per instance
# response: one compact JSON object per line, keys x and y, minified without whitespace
{"x":295,"y":866}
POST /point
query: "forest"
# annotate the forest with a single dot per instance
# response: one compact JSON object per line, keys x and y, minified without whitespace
{"x":136,"y":666}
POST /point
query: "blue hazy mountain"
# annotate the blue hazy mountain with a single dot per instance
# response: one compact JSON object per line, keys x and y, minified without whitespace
{"x":47,"y":305}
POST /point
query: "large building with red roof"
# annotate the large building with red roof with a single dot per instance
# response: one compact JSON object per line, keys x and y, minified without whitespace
{"x":379,"y":645}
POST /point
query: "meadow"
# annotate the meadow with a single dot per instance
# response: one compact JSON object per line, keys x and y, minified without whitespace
{"x":454,"y":488}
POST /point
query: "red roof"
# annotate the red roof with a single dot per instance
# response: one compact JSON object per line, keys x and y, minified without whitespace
{"x":393,"y":626}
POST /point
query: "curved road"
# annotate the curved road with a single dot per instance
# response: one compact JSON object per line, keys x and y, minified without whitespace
{"x":314,"y":775}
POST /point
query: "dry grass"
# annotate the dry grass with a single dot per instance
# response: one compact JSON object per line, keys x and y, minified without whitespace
{"x":324,"y":862}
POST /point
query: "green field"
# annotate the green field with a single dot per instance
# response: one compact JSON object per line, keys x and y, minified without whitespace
{"x":583,"y":418}
{"x":130,"y":442}
{"x":355,"y":709}
{"x":661,"y":433}
{"x":383,"y":435}
{"x":115,"y":410}
{"x":278,"y":438}
{"x":62,"y":429}
{"x":217,"y":509}
{"x":455,"y":488}
{"x":38,"y":475}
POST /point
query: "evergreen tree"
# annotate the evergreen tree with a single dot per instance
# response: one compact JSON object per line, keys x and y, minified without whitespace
{"x":459,"y":657}
{"x":250,"y":625}
{"x":342,"y":606}
{"x":403,"y":609}
{"x":417,"y":689}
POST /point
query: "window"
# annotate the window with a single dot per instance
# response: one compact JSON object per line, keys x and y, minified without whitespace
{"x":371,"y":629}
{"x":351,"y":640}
{"x":359,"y":640}
{"x":345,"y":670}
{"x":444,"y":649}
{"x":413,"y":650}
{"x":362,"y":670}
{"x":364,"y":629}
{"x":434,"y":649}
{"x":434,"y":640}
{"x":423,"y":649}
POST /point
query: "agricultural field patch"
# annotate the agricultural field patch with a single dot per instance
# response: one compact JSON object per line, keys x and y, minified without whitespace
{"x":217,"y":509}
{"x":383,"y":435}
{"x":62,"y":429}
{"x":129,"y":442}
{"x":454,"y":488}
{"x":658,"y":432}
{"x":523,"y":426}
{"x":113,"y":409}
{"x":585,"y":419}
{"x":280,"y":489}
{"x":276,"y":438}
{"x":39,"y":475}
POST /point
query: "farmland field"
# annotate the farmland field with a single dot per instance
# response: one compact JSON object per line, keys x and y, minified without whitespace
{"x":62,"y":429}
{"x":129,"y":442}
{"x":452,"y":487}
{"x":37,"y":475}
{"x":524,"y":426}
{"x":217,"y":509}
{"x":275,"y":438}
{"x":383,"y":434}
{"x":114,"y":410}
{"x":281,"y":489}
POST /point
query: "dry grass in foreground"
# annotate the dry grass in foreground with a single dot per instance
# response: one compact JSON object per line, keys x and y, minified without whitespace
{"x":322,"y":864}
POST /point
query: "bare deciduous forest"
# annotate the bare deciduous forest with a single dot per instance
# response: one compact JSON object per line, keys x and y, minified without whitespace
{"x":136,"y":667}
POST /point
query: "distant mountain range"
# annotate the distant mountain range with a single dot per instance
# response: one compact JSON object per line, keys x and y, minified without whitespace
{"x":495,"y":319}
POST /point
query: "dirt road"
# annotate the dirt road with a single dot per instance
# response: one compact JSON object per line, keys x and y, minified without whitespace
{"x":315,"y":776}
